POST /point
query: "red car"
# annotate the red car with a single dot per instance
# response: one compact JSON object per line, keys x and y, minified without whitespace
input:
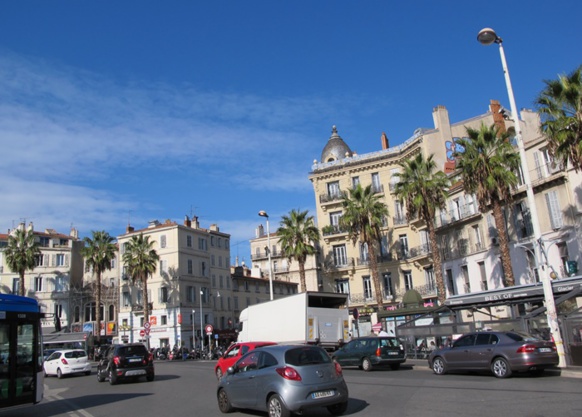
{"x":233,"y":354}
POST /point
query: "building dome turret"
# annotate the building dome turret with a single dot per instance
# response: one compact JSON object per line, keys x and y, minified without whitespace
{"x":336,"y":148}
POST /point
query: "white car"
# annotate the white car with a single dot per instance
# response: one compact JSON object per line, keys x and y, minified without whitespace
{"x":67,"y":361}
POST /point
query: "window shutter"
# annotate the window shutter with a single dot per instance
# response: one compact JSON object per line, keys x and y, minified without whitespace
{"x":554,"y":210}
{"x":538,"y":165}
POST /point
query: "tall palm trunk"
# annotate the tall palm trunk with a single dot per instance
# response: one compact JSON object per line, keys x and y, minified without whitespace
{"x":302,"y":277}
{"x":503,"y":242}
{"x":375,"y":275}
{"x":21,"y":289}
{"x":146,"y":301}
{"x":437,"y":262}
{"x":98,"y":304}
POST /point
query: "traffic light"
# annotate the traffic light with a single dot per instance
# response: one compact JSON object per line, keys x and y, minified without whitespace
{"x":572,"y":267}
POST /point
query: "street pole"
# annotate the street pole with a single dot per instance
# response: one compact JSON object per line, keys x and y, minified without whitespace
{"x":488,"y":36}
{"x":201,"y":325}
{"x":263,"y":213}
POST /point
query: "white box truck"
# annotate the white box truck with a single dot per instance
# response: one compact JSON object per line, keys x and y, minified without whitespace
{"x":310,"y":317}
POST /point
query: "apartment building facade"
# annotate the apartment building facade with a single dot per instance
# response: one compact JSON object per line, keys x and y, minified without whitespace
{"x":58,"y":271}
{"x":190,"y":289}
{"x":283,"y":269}
{"x":466,"y":235}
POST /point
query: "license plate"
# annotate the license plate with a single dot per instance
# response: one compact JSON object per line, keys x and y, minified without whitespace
{"x":322,"y":394}
{"x":393,"y":353}
{"x":134,"y":359}
{"x":545,"y":350}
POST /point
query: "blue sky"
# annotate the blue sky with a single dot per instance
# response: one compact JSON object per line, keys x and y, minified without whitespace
{"x":117,"y":111}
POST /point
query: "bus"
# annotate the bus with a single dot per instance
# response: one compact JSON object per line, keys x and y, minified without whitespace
{"x":21,"y":372}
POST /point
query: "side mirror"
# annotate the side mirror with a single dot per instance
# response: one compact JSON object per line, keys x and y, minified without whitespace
{"x":230,"y":370}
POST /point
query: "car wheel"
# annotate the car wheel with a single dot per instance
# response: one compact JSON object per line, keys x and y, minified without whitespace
{"x":112,"y":377}
{"x":366,"y":364}
{"x":150,"y":377}
{"x":438,"y":366}
{"x":395,"y":366}
{"x":59,"y":373}
{"x":500,"y":368}
{"x":224,"y":403}
{"x":100,"y":377}
{"x":218,"y":373}
{"x":276,"y":407}
{"x":338,"y":409}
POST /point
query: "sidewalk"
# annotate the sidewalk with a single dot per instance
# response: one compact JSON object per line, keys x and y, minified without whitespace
{"x":568,"y":372}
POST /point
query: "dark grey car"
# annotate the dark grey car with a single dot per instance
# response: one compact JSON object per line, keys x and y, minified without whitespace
{"x":499,"y":352}
{"x":370,"y":352}
{"x":126,"y":361}
{"x":282,"y":380}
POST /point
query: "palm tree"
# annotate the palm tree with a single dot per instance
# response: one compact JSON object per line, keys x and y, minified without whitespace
{"x":141,"y":261}
{"x":424,"y":191}
{"x":21,"y":254}
{"x":362,"y":218}
{"x":560,"y":108}
{"x":297,"y":234}
{"x":98,"y":252}
{"x":488,"y":166}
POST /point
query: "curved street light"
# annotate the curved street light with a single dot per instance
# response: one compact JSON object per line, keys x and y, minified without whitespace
{"x":487,"y":36}
{"x":263,"y":213}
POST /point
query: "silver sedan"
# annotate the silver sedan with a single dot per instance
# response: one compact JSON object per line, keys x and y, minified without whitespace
{"x":502,"y":353}
{"x":282,"y":380}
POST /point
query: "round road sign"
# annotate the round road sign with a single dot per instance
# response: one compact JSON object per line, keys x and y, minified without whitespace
{"x":146,"y":325}
{"x":142,"y":333}
{"x":208,"y":328}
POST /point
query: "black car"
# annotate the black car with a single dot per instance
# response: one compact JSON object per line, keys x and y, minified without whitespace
{"x":371,"y":352}
{"x":126,"y":361}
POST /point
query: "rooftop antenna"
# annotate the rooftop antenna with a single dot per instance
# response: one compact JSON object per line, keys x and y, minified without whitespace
{"x":192,"y":211}
{"x":129,"y":217}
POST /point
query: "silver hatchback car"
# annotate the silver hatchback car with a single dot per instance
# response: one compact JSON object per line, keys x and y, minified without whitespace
{"x":284,"y":379}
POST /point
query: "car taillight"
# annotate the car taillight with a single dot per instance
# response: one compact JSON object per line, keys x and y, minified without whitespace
{"x":64,"y":361}
{"x":116,"y":360}
{"x":378,"y":352}
{"x":526,"y":349}
{"x":338,"y":369}
{"x":289,"y":373}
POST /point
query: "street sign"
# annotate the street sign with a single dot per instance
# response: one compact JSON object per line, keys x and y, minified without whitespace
{"x":208,"y":329}
{"x":146,"y":325}
{"x":142,"y":333}
{"x":147,"y":330}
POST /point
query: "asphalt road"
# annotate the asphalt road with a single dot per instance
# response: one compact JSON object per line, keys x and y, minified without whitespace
{"x":189,"y":389}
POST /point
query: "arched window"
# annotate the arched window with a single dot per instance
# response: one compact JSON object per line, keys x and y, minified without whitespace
{"x":111,"y":313}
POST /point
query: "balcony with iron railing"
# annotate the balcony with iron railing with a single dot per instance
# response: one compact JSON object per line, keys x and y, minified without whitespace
{"x":399,"y":221}
{"x":263,"y":255}
{"x":332,"y":230}
{"x":416,"y":252}
{"x":339,"y":265}
{"x":331,"y":197}
{"x":547,"y":172}
{"x":453,"y":217}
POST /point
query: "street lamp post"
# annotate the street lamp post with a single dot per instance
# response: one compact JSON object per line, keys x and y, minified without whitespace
{"x":488,"y":36}
{"x":263,"y":213}
{"x":201,"y":324}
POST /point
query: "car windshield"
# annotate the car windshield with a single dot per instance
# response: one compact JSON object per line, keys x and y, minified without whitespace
{"x":306,"y":356}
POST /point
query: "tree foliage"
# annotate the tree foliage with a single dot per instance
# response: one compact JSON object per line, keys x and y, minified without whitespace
{"x":298,"y":234}
{"x":424,"y":190}
{"x":560,"y":109}
{"x":21,"y":253}
{"x":99,"y":251}
{"x":363,"y":216}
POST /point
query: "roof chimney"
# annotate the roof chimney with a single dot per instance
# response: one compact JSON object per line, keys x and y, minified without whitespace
{"x":384,"y":140}
{"x":187,"y":221}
